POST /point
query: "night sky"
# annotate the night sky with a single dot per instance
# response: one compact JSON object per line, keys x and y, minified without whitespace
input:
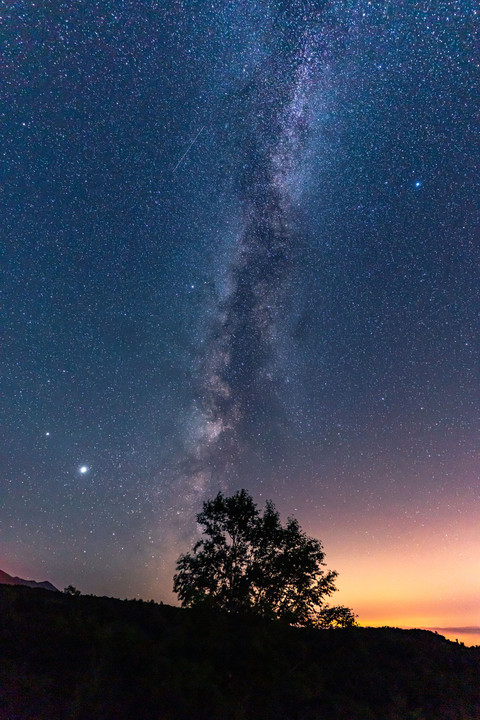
{"x":241,"y":251}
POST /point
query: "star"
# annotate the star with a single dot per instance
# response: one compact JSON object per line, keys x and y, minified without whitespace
{"x":83,"y":469}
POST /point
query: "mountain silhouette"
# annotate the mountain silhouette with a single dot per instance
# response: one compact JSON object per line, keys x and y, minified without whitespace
{"x":6,"y":579}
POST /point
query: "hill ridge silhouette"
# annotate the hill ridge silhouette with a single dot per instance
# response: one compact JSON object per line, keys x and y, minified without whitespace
{"x":99,"y":658}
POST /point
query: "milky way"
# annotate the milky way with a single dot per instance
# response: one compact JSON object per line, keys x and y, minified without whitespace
{"x":237,"y":384}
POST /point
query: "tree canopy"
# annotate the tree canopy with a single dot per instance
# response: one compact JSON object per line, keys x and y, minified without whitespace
{"x":248,"y":562}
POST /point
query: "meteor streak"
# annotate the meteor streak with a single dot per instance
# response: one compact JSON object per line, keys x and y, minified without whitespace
{"x":192,"y":143}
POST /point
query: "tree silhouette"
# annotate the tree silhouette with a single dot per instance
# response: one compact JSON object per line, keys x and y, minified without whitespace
{"x":71,"y":590}
{"x":249,"y":563}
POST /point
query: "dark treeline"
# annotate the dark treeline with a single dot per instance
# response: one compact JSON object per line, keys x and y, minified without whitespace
{"x":65,"y":657}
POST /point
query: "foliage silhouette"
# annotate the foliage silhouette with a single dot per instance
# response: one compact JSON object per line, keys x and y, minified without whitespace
{"x":72,"y":590}
{"x":249,"y":563}
{"x":98,"y":658}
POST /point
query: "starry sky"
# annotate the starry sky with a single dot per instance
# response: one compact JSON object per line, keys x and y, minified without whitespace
{"x":240,"y":251}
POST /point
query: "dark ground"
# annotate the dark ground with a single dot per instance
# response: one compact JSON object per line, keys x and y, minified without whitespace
{"x":96,"y":658}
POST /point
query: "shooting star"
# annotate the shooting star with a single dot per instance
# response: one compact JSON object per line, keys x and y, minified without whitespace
{"x":188,"y":149}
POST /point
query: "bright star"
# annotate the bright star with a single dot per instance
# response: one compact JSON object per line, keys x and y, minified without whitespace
{"x":418,"y":183}
{"x":83,"y":469}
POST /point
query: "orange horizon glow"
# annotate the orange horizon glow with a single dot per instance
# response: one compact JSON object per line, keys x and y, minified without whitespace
{"x":398,"y":572}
